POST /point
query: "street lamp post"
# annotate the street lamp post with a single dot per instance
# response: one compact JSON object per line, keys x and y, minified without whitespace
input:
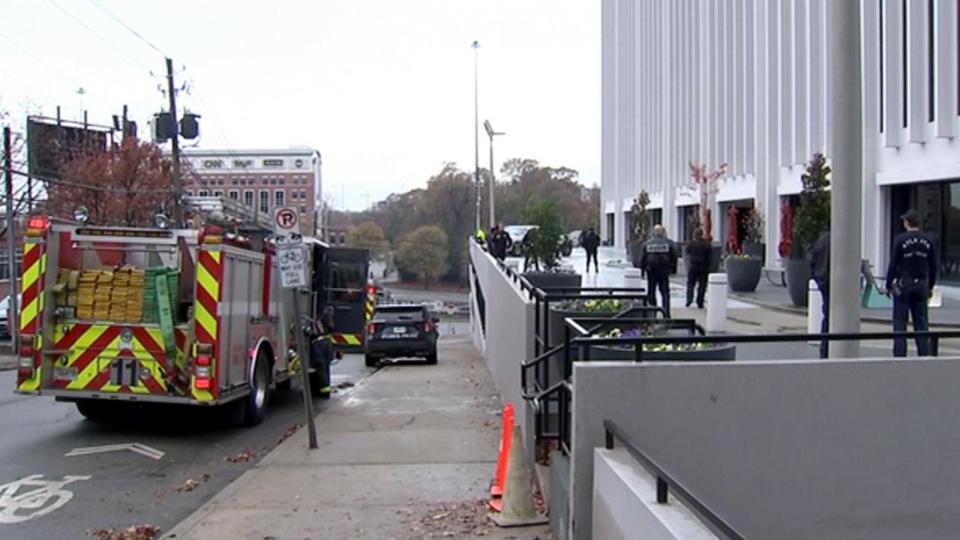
{"x":491,"y":133}
{"x":476,"y":132}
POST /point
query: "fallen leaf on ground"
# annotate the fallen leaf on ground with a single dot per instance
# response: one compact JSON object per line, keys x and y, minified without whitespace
{"x":455,"y":519}
{"x":346,"y":384}
{"x":136,"y":532}
{"x":289,"y":433}
{"x":243,"y":457}
{"x":192,"y":483}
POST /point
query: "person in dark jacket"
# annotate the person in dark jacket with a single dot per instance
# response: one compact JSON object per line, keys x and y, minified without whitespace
{"x":698,"y":251}
{"x":820,"y":271}
{"x":590,"y":242}
{"x":911,"y":275}
{"x":500,"y":242}
{"x":658,"y":259}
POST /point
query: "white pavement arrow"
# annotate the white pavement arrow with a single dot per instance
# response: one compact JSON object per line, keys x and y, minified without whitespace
{"x":138,"y":448}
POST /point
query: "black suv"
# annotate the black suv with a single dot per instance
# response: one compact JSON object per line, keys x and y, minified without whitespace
{"x":397,"y":331}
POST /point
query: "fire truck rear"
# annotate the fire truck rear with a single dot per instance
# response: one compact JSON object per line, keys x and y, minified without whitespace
{"x":153,"y":315}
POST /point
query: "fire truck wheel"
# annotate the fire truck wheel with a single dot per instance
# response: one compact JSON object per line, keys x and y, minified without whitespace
{"x":370,"y":361}
{"x":255,"y":404}
{"x":432,"y":359}
{"x":92,"y":409}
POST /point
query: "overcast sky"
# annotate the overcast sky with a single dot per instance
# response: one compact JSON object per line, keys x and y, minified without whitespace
{"x":383,"y":88}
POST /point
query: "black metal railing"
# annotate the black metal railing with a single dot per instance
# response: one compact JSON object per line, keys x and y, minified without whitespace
{"x":585,"y":340}
{"x":666,"y":482}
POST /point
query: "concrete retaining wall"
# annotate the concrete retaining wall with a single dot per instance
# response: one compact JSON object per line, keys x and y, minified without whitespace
{"x":788,"y":449}
{"x":508,"y":340}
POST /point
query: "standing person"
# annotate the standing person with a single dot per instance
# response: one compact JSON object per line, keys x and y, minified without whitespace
{"x":911,"y":275}
{"x":658,"y":259}
{"x":590,"y":242}
{"x":820,"y":271}
{"x":699,"y":250}
{"x":501,"y":242}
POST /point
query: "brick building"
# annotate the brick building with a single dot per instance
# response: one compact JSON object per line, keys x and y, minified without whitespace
{"x":263,"y":179}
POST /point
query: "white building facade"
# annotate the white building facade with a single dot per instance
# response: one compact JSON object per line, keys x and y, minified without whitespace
{"x":745,"y":82}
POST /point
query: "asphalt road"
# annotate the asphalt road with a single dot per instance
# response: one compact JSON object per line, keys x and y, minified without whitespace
{"x":125,"y":488}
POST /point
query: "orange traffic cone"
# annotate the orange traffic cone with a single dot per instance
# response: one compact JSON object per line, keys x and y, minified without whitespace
{"x":496,"y":488}
{"x":516,"y":507}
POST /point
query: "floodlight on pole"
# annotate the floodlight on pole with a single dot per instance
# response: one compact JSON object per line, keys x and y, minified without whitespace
{"x":491,"y":133}
{"x":476,"y":132}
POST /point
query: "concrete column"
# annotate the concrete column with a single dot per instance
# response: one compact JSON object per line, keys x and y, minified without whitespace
{"x":847,"y":152}
{"x":717,"y":303}
{"x":814,"y":308}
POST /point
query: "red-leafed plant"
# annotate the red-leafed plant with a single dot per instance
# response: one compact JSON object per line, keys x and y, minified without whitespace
{"x":705,"y":182}
{"x":126,"y":186}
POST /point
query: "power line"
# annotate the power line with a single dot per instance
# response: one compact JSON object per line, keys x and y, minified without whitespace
{"x":97,"y":34}
{"x":110,"y":14}
{"x":91,"y":187}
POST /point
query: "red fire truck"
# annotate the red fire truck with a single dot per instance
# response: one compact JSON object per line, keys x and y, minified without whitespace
{"x":188,"y":316}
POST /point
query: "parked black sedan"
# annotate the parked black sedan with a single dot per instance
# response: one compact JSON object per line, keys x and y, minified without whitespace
{"x":400,"y":331}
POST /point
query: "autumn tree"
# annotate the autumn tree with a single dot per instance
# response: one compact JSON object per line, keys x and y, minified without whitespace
{"x":449,"y":203}
{"x":423,"y":253}
{"x":125,"y":187}
{"x":368,"y":235}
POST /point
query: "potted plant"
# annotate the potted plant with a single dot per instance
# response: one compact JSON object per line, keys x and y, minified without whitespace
{"x":639,"y":227}
{"x":705,"y":182}
{"x":543,"y":247}
{"x":811,"y":219}
{"x":753,"y":243}
{"x":743,"y":272}
{"x":662,"y":352}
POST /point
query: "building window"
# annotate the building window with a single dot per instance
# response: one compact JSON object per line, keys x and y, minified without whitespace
{"x":293,"y":195}
{"x":203,"y":193}
{"x":303,"y":194}
{"x":233,"y":182}
{"x":264,"y":200}
{"x":303,"y":209}
{"x":218,"y":193}
{"x":248,"y":197}
{"x":189,"y":193}
{"x":278,"y":198}
{"x":234,"y":194}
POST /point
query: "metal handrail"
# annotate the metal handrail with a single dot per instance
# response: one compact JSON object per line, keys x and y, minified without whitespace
{"x":666,"y":482}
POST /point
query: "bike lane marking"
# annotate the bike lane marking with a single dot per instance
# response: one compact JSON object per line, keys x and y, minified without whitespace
{"x":40,"y":498}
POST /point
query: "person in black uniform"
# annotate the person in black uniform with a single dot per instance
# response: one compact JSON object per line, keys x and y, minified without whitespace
{"x":590,"y":241}
{"x":658,"y":259}
{"x":820,"y":271}
{"x":698,"y":250}
{"x":500,"y":242}
{"x":911,"y":275}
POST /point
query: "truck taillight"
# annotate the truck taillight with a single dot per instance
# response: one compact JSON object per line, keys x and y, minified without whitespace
{"x":373,"y":328}
{"x":26,"y":345}
{"x":201,"y":372}
{"x":426,"y":326}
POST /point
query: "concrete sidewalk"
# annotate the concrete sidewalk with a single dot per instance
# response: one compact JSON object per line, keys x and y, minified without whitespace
{"x":407,"y":454}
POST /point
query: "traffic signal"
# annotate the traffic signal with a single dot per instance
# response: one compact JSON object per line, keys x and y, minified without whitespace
{"x":189,"y":127}
{"x":163,"y":128}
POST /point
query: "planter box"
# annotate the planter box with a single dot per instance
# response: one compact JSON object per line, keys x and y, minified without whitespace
{"x":743,"y":274}
{"x":798,"y":276}
{"x":545,"y":280}
{"x":720,"y":353}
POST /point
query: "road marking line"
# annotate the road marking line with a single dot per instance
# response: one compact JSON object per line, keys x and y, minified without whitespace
{"x":138,"y":448}
{"x":38,"y":499}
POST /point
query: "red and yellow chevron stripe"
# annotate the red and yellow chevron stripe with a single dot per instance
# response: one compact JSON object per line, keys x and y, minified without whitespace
{"x":371,"y":302}
{"x":350,"y":340}
{"x":209,"y":278}
{"x":89,"y":350}
{"x":33,"y":269}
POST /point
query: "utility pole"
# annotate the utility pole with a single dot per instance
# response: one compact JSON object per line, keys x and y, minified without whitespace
{"x":175,"y":141}
{"x":476,"y":132}
{"x":846,"y":205}
{"x":13,"y":312}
